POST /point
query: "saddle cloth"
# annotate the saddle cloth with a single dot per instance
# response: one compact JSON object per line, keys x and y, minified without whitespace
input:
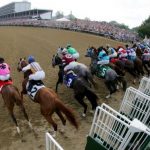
{"x":2,"y":83}
{"x":35,"y":88}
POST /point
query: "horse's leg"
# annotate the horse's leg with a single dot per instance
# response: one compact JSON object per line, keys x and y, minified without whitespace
{"x":56,"y":89}
{"x":146,"y":68}
{"x":63,"y":120}
{"x":79,"y":98}
{"x":26,"y":116}
{"x":10,"y":109}
{"x":109,"y":87}
{"x":51,"y":121}
{"x":60,"y":79}
{"x":92,"y":97}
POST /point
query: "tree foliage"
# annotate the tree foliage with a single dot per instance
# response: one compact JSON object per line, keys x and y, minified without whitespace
{"x":144,"y":29}
{"x":59,"y":15}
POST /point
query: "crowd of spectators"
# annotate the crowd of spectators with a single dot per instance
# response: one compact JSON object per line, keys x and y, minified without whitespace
{"x":94,"y":27}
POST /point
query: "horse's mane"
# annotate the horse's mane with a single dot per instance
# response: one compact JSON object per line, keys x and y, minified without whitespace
{"x":24,"y":63}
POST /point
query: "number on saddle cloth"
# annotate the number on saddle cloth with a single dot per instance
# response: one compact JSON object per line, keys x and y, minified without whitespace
{"x":34,"y":87}
{"x":69,"y":78}
{"x":101,"y":71}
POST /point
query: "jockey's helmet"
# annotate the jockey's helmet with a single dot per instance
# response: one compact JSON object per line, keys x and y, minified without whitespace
{"x":1,"y":60}
{"x":107,"y":45}
{"x":31,"y":59}
{"x":64,"y":51}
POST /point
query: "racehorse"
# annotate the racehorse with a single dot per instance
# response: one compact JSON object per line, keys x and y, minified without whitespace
{"x":120,"y":66}
{"x":80,"y":71}
{"x":11,"y":96}
{"x":80,"y":86}
{"x":92,"y":52}
{"x":102,"y":72}
{"x":49,"y":101}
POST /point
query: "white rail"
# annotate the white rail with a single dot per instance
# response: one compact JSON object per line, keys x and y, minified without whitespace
{"x":51,"y":143}
{"x":116,"y":132}
{"x":136,"y":104}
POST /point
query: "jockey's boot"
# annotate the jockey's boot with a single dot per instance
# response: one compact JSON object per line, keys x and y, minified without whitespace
{"x":31,"y":83}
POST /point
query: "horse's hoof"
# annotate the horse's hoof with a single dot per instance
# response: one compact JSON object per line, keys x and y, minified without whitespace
{"x":83,"y":115}
{"x":117,"y":87}
{"x":62,"y":131}
{"x":91,"y":112}
{"x":108,"y":96}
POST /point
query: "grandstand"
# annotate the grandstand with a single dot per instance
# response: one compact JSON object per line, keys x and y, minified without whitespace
{"x":22,"y":10}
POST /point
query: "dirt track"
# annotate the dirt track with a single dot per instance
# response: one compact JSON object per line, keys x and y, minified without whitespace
{"x":16,"y":42}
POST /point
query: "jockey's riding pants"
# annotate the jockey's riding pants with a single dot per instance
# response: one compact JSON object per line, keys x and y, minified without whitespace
{"x":4,"y":77}
{"x":75,"y":56}
{"x":70,"y":66}
{"x":39,"y":75}
{"x":103,"y":62}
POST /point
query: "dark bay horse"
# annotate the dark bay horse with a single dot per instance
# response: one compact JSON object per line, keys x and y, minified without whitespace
{"x":80,"y":86}
{"x":49,"y":102}
{"x":11,"y":96}
{"x":79,"y":70}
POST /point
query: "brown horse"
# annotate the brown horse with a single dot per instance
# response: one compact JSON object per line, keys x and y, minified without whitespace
{"x":49,"y":102}
{"x":11,"y":96}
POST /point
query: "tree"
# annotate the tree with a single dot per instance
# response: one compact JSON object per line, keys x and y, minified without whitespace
{"x":59,"y":15}
{"x":144,"y":29}
{"x":71,"y":16}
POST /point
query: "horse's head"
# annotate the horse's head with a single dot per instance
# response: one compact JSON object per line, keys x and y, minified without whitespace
{"x":91,"y":52}
{"x":22,"y":63}
{"x":59,"y":51}
{"x":56,"y":60}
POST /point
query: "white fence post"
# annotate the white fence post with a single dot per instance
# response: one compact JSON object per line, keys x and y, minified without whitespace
{"x":51,"y":143}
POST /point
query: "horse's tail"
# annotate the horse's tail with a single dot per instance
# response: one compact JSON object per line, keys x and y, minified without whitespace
{"x":123,"y":81}
{"x":68,"y":113}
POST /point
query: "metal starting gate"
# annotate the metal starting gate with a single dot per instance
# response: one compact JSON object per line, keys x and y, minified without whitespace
{"x":51,"y":143}
{"x":145,"y":86}
{"x":136,"y":104}
{"x":113,"y":131}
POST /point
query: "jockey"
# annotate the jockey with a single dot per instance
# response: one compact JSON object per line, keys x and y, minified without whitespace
{"x":103,"y":58}
{"x":66,"y":58}
{"x":72,"y":51}
{"x":146,"y":55}
{"x":111,"y":52}
{"x":4,"y":70}
{"x":122,"y":53}
{"x":131,"y":52}
{"x":37,"y":72}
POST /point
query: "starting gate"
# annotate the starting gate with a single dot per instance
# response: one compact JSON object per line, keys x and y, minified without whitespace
{"x":51,"y":143}
{"x":136,"y":104}
{"x":113,"y":131}
{"x":145,"y":86}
